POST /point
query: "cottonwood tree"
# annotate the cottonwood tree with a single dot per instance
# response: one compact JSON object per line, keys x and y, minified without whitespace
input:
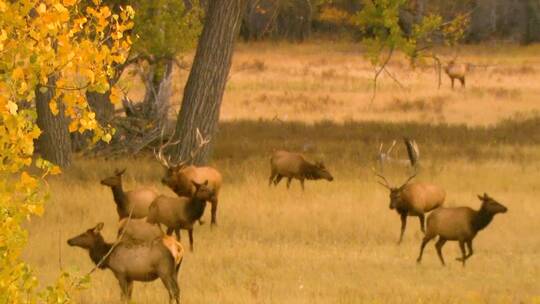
{"x":51,"y":53}
{"x":205,"y":86}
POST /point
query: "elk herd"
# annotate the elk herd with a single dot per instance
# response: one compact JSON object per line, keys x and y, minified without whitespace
{"x":143,"y":252}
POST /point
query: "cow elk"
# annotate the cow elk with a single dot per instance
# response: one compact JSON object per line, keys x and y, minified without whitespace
{"x":137,"y":200}
{"x":413,"y":199}
{"x":180,"y":177}
{"x":132,"y":262}
{"x":294,"y":165}
{"x":456,"y":70}
{"x":180,"y":212}
{"x":459,"y":224}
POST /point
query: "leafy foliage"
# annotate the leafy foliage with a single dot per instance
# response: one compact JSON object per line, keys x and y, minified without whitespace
{"x":164,"y":28}
{"x":385,"y":33}
{"x":78,"y":47}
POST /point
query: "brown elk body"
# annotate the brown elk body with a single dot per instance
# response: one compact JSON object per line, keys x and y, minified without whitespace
{"x":139,"y":230}
{"x":459,"y":224}
{"x":456,"y":71}
{"x":180,"y":212}
{"x":138,"y":199}
{"x":414,"y":199}
{"x":180,"y":179}
{"x":129,"y":262}
{"x":294,"y":165}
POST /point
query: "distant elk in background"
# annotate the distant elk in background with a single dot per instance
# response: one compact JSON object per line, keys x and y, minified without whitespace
{"x":385,"y":158}
{"x":457,"y":71}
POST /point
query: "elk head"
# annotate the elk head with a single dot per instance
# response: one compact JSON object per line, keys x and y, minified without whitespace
{"x":88,"y":239}
{"x":395,"y":192}
{"x":321,"y":172}
{"x":490,"y":205}
{"x":114,"y":180}
{"x":172,"y":177}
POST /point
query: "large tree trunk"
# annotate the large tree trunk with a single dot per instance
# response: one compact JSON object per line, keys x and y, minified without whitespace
{"x":206,"y":83}
{"x":54,"y":143}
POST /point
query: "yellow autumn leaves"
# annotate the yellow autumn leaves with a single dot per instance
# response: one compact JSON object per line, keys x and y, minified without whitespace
{"x":52,"y":46}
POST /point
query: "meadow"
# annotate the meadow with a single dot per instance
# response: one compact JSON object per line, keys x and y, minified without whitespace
{"x":337,"y":241}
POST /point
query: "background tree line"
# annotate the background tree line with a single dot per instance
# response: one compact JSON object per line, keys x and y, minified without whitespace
{"x":510,"y":20}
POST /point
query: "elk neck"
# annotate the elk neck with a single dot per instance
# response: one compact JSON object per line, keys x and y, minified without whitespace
{"x":196,"y":208}
{"x":98,"y":251}
{"x":119,"y":198}
{"x":481,"y":219}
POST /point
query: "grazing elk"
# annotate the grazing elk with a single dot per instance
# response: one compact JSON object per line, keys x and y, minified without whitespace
{"x":413,"y":199}
{"x":459,"y":224}
{"x":133,"y":262}
{"x":180,"y":176}
{"x":456,"y":70}
{"x":138,"y":199}
{"x":293,"y":165}
{"x":180,"y":212}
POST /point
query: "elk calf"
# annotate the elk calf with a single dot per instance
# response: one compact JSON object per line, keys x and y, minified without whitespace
{"x":414,"y":199}
{"x":131,"y":262}
{"x":456,"y":71}
{"x":138,"y":199}
{"x":459,"y":224}
{"x":294,"y":165}
{"x":180,"y":212}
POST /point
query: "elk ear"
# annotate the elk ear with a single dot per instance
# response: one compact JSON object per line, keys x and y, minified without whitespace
{"x":197,"y":185}
{"x":119,"y":172}
{"x":98,"y":227}
{"x":480,"y":197}
{"x":205,"y":183}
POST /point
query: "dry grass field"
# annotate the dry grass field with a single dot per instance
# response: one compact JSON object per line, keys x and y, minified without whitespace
{"x":336,"y":242}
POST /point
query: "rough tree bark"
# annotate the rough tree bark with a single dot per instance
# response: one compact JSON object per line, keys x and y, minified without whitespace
{"x":204,"y":89}
{"x":54,"y":143}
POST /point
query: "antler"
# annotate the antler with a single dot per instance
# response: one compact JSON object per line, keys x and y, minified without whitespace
{"x":391,"y":147}
{"x":408,"y":180}
{"x":201,"y":143}
{"x":159,"y":155}
{"x":167,"y":161}
{"x":386,"y":183}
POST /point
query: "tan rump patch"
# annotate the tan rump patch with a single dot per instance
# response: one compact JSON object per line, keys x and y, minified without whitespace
{"x":174,"y":247}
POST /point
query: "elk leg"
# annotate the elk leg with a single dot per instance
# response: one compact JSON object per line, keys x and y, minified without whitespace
{"x":124,"y":288}
{"x":278,"y":179}
{"x":439,"y":245}
{"x":403,"y":225}
{"x":169,"y":231}
{"x":302,"y":184}
{"x":469,"y":245}
{"x":422,"y":221}
{"x":190,"y":233}
{"x":289,"y":179}
{"x":177,"y":232}
{"x":130,"y":289}
{"x":452,"y":83}
{"x":272,"y":176}
{"x":424,"y":243}
{"x":172,"y":288}
{"x":214,"y":212}
{"x":462,"y":80}
{"x":463,"y":253}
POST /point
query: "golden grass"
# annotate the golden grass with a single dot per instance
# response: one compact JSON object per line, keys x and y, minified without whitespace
{"x":335,"y":243}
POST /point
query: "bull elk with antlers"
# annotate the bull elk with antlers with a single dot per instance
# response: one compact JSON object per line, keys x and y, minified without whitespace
{"x":180,"y":176}
{"x":413,"y":199}
{"x":385,"y":157}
